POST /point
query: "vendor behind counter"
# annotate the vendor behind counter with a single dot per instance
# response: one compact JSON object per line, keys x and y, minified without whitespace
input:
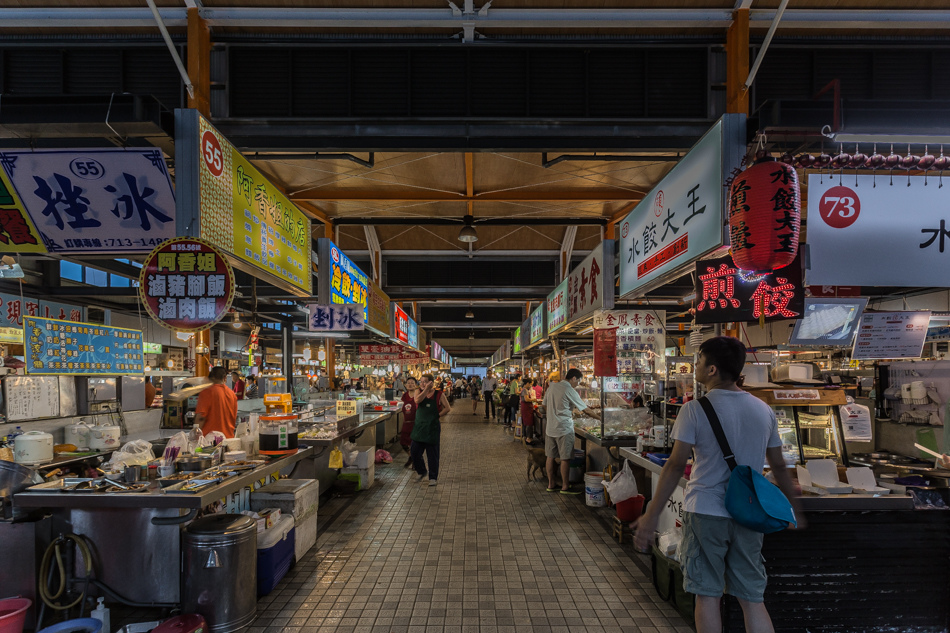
{"x":217,"y":405}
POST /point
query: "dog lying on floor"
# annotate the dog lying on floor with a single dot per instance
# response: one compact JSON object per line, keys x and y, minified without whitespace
{"x":537,"y":463}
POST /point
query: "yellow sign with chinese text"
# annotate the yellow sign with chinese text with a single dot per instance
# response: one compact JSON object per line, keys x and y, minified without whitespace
{"x":17,"y":233}
{"x":345,"y":408}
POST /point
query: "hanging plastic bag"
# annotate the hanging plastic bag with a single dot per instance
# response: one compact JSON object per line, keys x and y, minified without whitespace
{"x":351,"y":453}
{"x":135,"y":453}
{"x":623,"y":485}
{"x":336,"y":459}
{"x":211,"y":439}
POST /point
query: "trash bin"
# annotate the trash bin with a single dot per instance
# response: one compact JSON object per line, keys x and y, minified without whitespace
{"x":219,"y":571}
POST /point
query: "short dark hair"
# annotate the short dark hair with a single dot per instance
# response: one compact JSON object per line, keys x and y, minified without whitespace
{"x":217,"y":373}
{"x":429,"y":376}
{"x":573,"y":373}
{"x":727,"y":354}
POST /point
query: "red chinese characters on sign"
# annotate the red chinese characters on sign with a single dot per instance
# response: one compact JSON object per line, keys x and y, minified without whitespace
{"x":186,"y":284}
{"x":605,"y":352}
{"x":401,"y":324}
{"x":718,"y":288}
{"x":583,"y":294}
{"x":772,"y":301}
{"x":724,"y":293}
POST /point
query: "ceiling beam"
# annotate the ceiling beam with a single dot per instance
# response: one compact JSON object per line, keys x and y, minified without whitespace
{"x":457,"y":222}
{"x":355,"y":194}
{"x":470,"y":182}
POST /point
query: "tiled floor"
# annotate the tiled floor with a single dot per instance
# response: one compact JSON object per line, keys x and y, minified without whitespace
{"x":485,"y":551}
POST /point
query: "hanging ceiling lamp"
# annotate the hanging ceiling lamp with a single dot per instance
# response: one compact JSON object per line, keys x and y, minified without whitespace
{"x":468,"y":234}
{"x":469,"y":314}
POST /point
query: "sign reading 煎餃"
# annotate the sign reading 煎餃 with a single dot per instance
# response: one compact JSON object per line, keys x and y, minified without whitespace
{"x":557,"y":308}
{"x":346,"y":317}
{"x":681,"y":218}
{"x":724,"y":295}
{"x":54,"y":347}
{"x":186,"y":284}
{"x":92,"y":200}
{"x":883,"y":335}
{"x":244,"y":214}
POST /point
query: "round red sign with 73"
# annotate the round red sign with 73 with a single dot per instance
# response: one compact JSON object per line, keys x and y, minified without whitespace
{"x":839,"y":207}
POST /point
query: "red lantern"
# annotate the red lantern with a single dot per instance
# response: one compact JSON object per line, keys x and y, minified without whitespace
{"x":765,"y":216}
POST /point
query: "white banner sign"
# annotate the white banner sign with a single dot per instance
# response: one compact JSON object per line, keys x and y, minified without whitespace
{"x":339,"y":317}
{"x":557,"y":308}
{"x":590,"y":285}
{"x":890,"y":335}
{"x":95,"y":200}
{"x":679,"y":220}
{"x":888,"y":235}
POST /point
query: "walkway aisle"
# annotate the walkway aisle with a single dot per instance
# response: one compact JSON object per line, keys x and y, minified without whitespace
{"x":484,"y":551}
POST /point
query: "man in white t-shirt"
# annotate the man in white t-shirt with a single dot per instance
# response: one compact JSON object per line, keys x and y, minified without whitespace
{"x":488,"y":390}
{"x":717,"y":554}
{"x":560,"y":399}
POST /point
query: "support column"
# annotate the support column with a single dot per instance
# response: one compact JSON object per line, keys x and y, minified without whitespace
{"x":287,"y":349}
{"x":329,"y":346}
{"x":737,"y":62}
{"x":202,"y":366}
{"x":199,"y":62}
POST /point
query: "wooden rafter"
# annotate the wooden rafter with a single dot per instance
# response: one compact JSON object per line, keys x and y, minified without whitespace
{"x":405,"y":195}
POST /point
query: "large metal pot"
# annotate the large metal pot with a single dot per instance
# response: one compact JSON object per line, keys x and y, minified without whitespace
{"x":15,"y":478}
{"x":193,"y":463}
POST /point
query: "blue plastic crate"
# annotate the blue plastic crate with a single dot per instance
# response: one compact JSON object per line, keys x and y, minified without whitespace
{"x":658,"y":458}
{"x":274,"y":562}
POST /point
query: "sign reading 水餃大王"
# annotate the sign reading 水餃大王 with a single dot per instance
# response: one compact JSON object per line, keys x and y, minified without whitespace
{"x":54,"y":347}
{"x":681,"y":219}
{"x":244,"y":214}
{"x":885,"y":235}
{"x":724,"y":294}
{"x":346,"y":317}
{"x":186,"y":284}
{"x":87,"y":201}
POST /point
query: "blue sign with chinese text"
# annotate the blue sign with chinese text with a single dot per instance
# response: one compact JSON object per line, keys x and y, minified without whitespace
{"x":95,"y":200}
{"x":54,"y":347}
{"x":347,"y":317}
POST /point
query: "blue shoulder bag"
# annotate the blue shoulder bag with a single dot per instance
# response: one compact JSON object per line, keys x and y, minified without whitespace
{"x":751,"y":499}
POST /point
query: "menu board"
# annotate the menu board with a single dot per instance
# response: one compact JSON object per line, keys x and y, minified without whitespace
{"x":29,"y":397}
{"x":557,"y":308}
{"x":891,"y":335}
{"x":56,"y":347}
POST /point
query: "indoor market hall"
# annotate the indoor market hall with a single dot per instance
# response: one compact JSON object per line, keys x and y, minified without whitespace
{"x":484,"y":551}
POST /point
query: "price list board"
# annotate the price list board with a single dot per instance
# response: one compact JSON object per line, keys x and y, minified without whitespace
{"x":55,"y":347}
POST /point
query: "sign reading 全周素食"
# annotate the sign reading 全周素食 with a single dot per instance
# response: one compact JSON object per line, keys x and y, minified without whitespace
{"x":87,"y":201}
{"x":885,"y":235}
{"x":681,"y":219}
{"x":346,"y":317}
{"x":186,"y":284}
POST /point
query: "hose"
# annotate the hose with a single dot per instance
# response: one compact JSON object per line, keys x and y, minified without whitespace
{"x":49,"y":599}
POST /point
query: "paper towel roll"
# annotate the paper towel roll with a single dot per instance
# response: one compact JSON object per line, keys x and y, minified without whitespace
{"x":917,"y":390}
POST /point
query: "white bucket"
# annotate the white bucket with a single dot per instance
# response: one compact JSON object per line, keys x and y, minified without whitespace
{"x":594,"y":490}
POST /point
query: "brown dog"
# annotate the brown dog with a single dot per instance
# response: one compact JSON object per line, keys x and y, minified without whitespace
{"x":537,"y":462}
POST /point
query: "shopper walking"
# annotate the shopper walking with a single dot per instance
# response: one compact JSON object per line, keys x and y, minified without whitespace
{"x":714,"y":546}
{"x":488,"y":390}
{"x":399,"y":387}
{"x":528,"y":397}
{"x":513,"y":401}
{"x":559,"y":400}
{"x":474,"y":389}
{"x":431,"y":407}
{"x":408,"y":417}
{"x":238,"y":385}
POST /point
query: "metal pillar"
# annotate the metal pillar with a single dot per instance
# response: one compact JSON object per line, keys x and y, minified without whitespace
{"x":287,"y":349}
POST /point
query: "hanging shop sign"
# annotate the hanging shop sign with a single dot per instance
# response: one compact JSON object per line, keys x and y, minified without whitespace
{"x":93,"y":200}
{"x":537,"y":325}
{"x":590,"y":286}
{"x":435,"y":351}
{"x":347,"y":317}
{"x":377,"y":309}
{"x":404,"y":328}
{"x":389,"y":354}
{"x":13,"y":308}
{"x":186,"y":284}
{"x":863,"y":235}
{"x":17,"y":232}
{"x":246,"y":215}
{"x":54,"y":347}
{"x":516,"y":341}
{"x":891,"y":335}
{"x":724,"y":294}
{"x":681,"y":219}
{"x":421,"y":337}
{"x":339,"y":279}
{"x":557,"y":308}
{"x":640,"y":340}
{"x":152,"y":348}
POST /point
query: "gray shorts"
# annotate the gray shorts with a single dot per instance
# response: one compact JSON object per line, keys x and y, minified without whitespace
{"x":559,"y":447}
{"x":720,"y":556}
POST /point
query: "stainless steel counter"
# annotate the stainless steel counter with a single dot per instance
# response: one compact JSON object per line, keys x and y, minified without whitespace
{"x":606,"y":442}
{"x":160,"y":499}
{"x":367,"y":420}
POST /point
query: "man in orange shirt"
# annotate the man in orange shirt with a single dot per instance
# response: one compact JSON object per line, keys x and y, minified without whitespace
{"x":217,"y":405}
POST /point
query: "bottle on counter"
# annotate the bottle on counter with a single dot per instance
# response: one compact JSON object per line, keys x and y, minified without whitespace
{"x":101,"y":613}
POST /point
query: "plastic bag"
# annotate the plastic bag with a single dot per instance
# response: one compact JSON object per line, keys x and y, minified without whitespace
{"x":134,"y":453}
{"x":336,"y":459}
{"x":623,"y":485}
{"x":350,"y":453}
{"x":211,"y":439}
{"x":669,"y":543}
{"x":383,"y":457}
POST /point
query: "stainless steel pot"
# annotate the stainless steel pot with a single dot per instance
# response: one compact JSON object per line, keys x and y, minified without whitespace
{"x":193,"y":463}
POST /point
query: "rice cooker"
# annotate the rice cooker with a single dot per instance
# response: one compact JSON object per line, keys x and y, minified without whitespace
{"x":78,"y":435}
{"x":33,"y":448}
{"x":104,"y":437}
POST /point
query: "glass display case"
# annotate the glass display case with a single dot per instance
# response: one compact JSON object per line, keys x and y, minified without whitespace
{"x":622,"y":417}
{"x":809,"y":423}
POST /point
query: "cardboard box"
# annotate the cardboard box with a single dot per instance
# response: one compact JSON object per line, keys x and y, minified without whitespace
{"x":271,"y":516}
{"x":295,"y":497}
